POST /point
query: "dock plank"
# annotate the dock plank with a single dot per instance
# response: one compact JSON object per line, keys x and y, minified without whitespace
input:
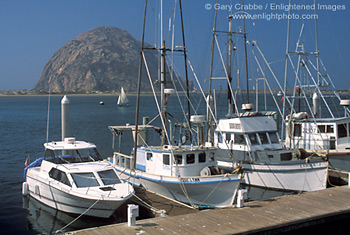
{"x":259,"y":216}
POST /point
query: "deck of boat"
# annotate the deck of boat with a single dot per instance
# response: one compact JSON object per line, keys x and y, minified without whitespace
{"x":275,"y":215}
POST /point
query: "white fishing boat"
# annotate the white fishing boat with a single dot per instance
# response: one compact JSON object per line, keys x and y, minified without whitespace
{"x":319,"y":118}
{"x":187,"y":174}
{"x":183,"y":172}
{"x":122,"y":99}
{"x":250,"y":139}
{"x":73,"y":178}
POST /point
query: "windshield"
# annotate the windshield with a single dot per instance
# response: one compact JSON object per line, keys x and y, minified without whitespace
{"x":109,"y":177}
{"x":82,"y":180}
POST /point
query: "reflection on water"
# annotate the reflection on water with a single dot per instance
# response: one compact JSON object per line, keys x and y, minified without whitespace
{"x":47,"y":220}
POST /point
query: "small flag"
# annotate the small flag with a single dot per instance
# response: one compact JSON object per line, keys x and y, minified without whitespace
{"x":26,"y":163}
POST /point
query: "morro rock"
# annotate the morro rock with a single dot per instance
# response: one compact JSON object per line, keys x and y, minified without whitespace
{"x":103,"y":59}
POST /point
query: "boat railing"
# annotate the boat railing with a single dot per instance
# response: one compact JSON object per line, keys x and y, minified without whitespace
{"x":122,"y":160}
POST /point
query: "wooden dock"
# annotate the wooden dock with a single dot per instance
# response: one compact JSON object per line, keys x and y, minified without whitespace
{"x":271,"y":216}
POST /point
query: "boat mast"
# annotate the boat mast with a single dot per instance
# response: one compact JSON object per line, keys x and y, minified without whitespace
{"x":285,"y":70}
{"x":245,"y":52}
{"x":133,"y":161}
{"x":317,"y":51}
{"x":186,"y":73}
{"x":230,"y":107}
{"x":162,"y":95}
{"x":317,"y":110}
{"x":210,"y":128}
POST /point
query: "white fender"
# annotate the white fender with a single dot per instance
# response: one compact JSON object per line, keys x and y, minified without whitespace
{"x":36,"y":190}
{"x":25,"y":189}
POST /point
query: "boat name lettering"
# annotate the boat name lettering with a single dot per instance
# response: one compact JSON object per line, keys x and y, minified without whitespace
{"x":235,"y":125}
{"x":190,"y":179}
{"x":309,"y":130}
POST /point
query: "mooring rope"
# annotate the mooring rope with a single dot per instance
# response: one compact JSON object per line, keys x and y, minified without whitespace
{"x":60,"y":230}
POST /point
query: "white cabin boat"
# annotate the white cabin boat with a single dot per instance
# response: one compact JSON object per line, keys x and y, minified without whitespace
{"x":313,"y":111}
{"x":252,"y":141}
{"x":122,"y":99}
{"x":71,"y":177}
{"x":187,"y":174}
{"x":323,"y":136}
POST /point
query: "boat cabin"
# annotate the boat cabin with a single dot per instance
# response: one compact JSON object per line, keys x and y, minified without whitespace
{"x":318,"y":133}
{"x":71,"y":151}
{"x":172,"y":160}
{"x":257,"y":131}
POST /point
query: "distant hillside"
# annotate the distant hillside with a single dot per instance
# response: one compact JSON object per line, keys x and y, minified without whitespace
{"x":101,"y":60}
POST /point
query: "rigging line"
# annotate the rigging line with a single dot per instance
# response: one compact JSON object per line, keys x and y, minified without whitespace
{"x":257,"y":61}
{"x":155,"y":97}
{"x":229,"y":84}
{"x":209,"y":108}
{"x":166,"y":134}
{"x":178,"y":97}
{"x":318,"y":89}
{"x":182,"y":87}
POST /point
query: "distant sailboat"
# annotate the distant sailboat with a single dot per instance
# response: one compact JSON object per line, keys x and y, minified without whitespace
{"x":122,"y":99}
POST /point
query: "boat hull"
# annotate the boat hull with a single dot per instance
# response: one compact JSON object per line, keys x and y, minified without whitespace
{"x":57,"y":197}
{"x":338,"y":159}
{"x":294,"y":176}
{"x":204,"y":192}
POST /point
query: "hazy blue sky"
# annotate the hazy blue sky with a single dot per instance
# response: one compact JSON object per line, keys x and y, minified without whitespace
{"x":32,"y":30}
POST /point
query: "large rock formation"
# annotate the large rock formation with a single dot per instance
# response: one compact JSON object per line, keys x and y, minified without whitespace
{"x":103,"y":59}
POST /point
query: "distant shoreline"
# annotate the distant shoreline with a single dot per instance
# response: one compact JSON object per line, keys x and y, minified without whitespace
{"x":24,"y":92}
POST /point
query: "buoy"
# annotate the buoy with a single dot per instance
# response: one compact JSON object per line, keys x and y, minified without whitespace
{"x":102,"y":103}
{"x":25,"y":189}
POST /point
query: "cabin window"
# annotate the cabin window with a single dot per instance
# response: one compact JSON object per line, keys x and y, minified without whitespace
{"x":286,"y":156}
{"x":263,"y":138}
{"x":59,"y":176}
{"x":190,"y":158}
{"x":342,"y":130}
{"x":239,"y":139}
{"x":228,"y":137}
{"x":211,"y":157}
{"x":219,"y":138}
{"x":178,"y":159}
{"x":321,"y":128}
{"x":49,"y":153}
{"x":253,"y":139}
{"x":297,"y":129}
{"x":149,"y":156}
{"x":166,"y":159}
{"x":109,"y":177}
{"x":201,"y":157}
{"x":330,"y":128}
{"x":83,"y":180}
{"x":273,"y":138}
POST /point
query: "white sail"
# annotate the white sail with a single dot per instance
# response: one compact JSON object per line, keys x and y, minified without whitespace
{"x":122,"y":99}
